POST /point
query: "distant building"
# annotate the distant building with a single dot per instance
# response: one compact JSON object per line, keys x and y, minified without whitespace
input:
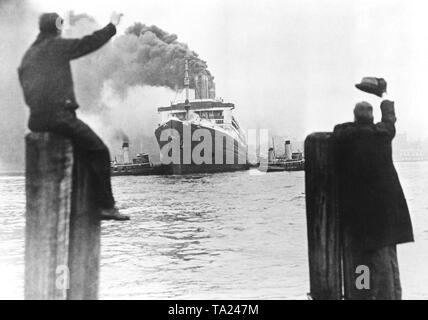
{"x":404,"y":150}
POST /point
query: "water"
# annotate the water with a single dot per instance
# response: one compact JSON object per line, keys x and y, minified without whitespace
{"x":231,"y":235}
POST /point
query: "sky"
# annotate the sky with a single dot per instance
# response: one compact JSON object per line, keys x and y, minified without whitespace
{"x":292,"y":65}
{"x":288,"y":65}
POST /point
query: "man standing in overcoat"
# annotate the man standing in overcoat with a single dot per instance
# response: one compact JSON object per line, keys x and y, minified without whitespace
{"x":374,"y":213}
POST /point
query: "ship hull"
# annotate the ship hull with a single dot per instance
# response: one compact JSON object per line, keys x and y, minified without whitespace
{"x":138,"y":171}
{"x":236,"y":151}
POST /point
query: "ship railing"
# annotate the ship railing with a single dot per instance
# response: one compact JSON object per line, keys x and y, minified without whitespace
{"x":216,"y":121}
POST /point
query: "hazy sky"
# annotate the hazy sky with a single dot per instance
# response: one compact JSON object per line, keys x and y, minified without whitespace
{"x":291,"y":65}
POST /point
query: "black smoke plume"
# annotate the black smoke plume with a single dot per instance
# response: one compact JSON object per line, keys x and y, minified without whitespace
{"x":143,"y":56}
{"x":121,"y":135}
{"x":110,"y":82}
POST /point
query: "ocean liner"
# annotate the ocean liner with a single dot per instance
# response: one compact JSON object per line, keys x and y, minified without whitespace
{"x":201,"y":135}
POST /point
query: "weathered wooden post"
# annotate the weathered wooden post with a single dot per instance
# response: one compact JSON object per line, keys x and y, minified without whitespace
{"x":62,"y":231}
{"x":85,"y":230}
{"x":322,"y":218}
{"x":49,"y":162}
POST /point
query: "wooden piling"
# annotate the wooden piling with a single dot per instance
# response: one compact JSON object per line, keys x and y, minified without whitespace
{"x":62,"y":233}
{"x":322,"y":216}
{"x":85,"y":229}
{"x":49,"y":162}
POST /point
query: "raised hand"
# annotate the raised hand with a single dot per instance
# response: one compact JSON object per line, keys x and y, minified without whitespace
{"x":115,"y":18}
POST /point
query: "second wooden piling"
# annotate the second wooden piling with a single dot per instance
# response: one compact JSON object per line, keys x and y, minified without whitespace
{"x":85,"y":229}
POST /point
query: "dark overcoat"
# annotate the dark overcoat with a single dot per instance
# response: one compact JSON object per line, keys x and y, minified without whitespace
{"x":372,"y":204}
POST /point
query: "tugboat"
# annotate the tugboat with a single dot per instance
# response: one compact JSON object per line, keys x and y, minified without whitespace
{"x":273,"y":165}
{"x":139,"y":166}
{"x":290,"y":161}
{"x":203,"y":133}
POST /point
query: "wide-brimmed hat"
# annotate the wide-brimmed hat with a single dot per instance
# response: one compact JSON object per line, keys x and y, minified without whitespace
{"x":372,"y":85}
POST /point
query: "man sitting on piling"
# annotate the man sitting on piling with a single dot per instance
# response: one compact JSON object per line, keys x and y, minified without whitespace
{"x":374,"y":212}
{"x":45,"y":77}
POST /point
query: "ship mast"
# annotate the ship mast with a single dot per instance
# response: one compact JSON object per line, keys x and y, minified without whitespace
{"x":186,"y":85}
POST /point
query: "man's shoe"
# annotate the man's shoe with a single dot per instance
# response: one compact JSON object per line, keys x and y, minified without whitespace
{"x":113,"y":214}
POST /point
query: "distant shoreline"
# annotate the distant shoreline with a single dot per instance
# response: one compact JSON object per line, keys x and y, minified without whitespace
{"x":22,"y":173}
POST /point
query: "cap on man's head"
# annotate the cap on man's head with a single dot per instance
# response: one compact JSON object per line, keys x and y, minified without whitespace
{"x":363,"y":111}
{"x":50,"y":23}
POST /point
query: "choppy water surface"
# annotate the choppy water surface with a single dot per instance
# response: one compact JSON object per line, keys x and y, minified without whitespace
{"x":231,"y":235}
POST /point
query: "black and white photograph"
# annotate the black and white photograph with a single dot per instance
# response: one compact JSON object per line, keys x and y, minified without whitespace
{"x":214,"y":155}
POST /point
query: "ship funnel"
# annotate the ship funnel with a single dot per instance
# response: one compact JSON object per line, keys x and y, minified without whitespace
{"x":211,"y":92}
{"x":125,"y":149}
{"x":288,"y":155}
{"x":204,"y":86}
{"x":271,"y":155}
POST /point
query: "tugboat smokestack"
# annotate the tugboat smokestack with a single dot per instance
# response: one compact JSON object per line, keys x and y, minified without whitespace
{"x":125,"y":149}
{"x":204,"y":85}
{"x":288,"y":155}
{"x":271,"y":155}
